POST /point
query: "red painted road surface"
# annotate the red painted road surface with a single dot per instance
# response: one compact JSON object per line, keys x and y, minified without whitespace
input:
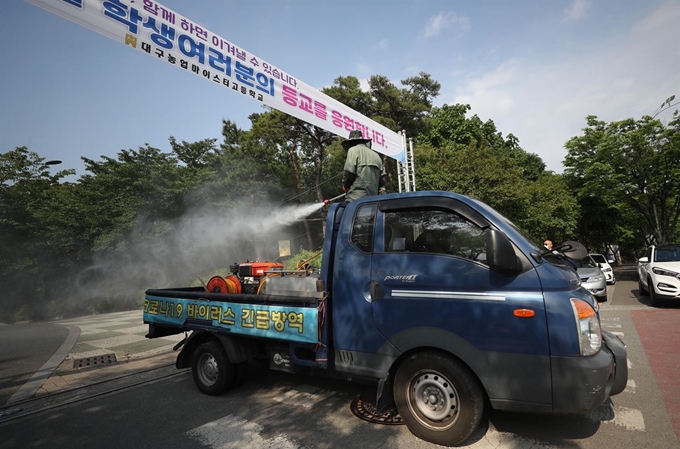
{"x":659,"y":331}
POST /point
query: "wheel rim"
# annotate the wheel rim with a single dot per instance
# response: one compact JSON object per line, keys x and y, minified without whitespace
{"x":208,"y":371}
{"x":433,"y":399}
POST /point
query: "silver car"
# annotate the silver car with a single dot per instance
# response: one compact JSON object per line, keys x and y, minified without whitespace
{"x":592,"y":278}
{"x":605,"y":267}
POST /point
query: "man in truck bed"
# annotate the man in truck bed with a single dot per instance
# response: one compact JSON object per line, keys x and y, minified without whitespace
{"x":364,"y":173}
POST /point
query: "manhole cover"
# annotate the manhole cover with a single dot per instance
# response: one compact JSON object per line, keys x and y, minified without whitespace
{"x":367,"y":412}
{"x":97,"y":360}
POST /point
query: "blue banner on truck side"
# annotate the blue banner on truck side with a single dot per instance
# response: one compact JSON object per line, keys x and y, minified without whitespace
{"x":277,"y":322}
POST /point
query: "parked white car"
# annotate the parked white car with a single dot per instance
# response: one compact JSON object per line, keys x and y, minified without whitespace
{"x":605,"y":267}
{"x":659,"y":273}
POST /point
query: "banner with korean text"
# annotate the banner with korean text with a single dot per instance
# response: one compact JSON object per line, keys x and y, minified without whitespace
{"x":148,"y":26}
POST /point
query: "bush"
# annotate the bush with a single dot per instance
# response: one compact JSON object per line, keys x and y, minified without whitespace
{"x":312,"y":258}
{"x":25,"y":313}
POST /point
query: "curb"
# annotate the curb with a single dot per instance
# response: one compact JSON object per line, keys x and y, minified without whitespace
{"x":30,"y":388}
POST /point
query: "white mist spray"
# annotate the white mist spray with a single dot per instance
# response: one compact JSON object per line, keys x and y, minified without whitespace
{"x":175,"y":253}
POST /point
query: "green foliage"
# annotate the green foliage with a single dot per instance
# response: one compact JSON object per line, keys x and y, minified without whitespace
{"x":468,"y":156}
{"x":633,"y":167}
{"x":304,"y":257}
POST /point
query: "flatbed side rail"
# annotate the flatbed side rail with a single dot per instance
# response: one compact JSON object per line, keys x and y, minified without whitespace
{"x":298,"y":322}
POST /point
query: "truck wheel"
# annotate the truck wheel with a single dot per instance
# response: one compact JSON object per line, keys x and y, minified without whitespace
{"x":439,"y":399}
{"x":212,"y":371}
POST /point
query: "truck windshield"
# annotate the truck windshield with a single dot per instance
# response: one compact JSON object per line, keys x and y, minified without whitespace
{"x":507,"y":222}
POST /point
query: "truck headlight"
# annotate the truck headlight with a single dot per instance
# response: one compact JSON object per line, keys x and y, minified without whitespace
{"x":587,"y":326}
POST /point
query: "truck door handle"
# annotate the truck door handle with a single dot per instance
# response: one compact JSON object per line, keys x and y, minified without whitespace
{"x":376,"y":291}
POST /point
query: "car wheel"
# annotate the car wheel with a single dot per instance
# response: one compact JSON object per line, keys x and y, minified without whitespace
{"x":211,"y":369}
{"x":653,"y":298}
{"x":439,"y":398}
{"x":641,"y":288}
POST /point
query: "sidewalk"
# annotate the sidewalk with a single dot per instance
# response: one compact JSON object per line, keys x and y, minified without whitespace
{"x":102,"y":347}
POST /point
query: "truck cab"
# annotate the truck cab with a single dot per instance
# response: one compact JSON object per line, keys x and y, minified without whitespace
{"x":436,"y":278}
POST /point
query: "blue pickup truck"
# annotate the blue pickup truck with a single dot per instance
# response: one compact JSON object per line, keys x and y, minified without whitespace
{"x":434,"y":296}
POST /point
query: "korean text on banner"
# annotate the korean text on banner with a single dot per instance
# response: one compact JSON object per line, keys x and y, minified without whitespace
{"x":150,"y":27}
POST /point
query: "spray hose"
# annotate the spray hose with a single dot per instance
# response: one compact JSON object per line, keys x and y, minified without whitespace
{"x":301,"y":264}
{"x":333,"y":199}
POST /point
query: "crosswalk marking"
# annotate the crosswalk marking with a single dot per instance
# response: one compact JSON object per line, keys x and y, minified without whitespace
{"x":630,"y":386}
{"x":233,"y":432}
{"x":629,"y":418}
{"x":304,"y":395}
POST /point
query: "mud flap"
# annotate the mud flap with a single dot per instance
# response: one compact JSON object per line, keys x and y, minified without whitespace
{"x":385,"y":394}
{"x":620,"y":354}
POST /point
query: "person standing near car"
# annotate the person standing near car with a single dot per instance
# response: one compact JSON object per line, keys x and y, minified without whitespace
{"x":364,"y":174}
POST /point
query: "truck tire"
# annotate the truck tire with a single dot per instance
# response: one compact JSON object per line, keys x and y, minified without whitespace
{"x":211,"y":369}
{"x":440,"y":399}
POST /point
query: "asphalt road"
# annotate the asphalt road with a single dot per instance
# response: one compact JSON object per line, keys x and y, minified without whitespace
{"x":25,"y":348}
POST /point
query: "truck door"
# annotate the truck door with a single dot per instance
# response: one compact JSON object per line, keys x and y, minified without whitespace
{"x":431,"y":287}
{"x":359,"y":347}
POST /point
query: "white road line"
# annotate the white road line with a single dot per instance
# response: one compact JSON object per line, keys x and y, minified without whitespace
{"x":629,"y":363}
{"x":618,"y":334}
{"x":233,"y":432}
{"x":504,"y":440}
{"x":611,"y":326}
{"x":304,"y":395}
{"x":36,"y":381}
{"x":629,"y":418}
{"x":630,"y":386}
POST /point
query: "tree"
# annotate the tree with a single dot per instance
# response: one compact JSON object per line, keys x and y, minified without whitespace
{"x":450,"y":129}
{"x":468,"y":156}
{"x":631,"y":164}
{"x":32,"y":242}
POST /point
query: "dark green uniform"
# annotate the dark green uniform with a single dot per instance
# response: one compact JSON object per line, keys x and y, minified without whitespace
{"x":366,"y":167}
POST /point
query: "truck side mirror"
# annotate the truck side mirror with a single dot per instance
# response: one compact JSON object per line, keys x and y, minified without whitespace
{"x":500,"y":253}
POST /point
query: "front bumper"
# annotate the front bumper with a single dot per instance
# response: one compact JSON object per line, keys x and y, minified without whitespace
{"x":666,"y":287}
{"x":597,"y":289}
{"x":581,"y":384}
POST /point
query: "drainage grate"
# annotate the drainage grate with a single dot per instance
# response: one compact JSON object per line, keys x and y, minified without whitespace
{"x":368,"y":412}
{"x":97,"y":360}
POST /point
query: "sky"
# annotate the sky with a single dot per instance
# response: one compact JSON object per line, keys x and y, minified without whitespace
{"x":535,"y":68}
